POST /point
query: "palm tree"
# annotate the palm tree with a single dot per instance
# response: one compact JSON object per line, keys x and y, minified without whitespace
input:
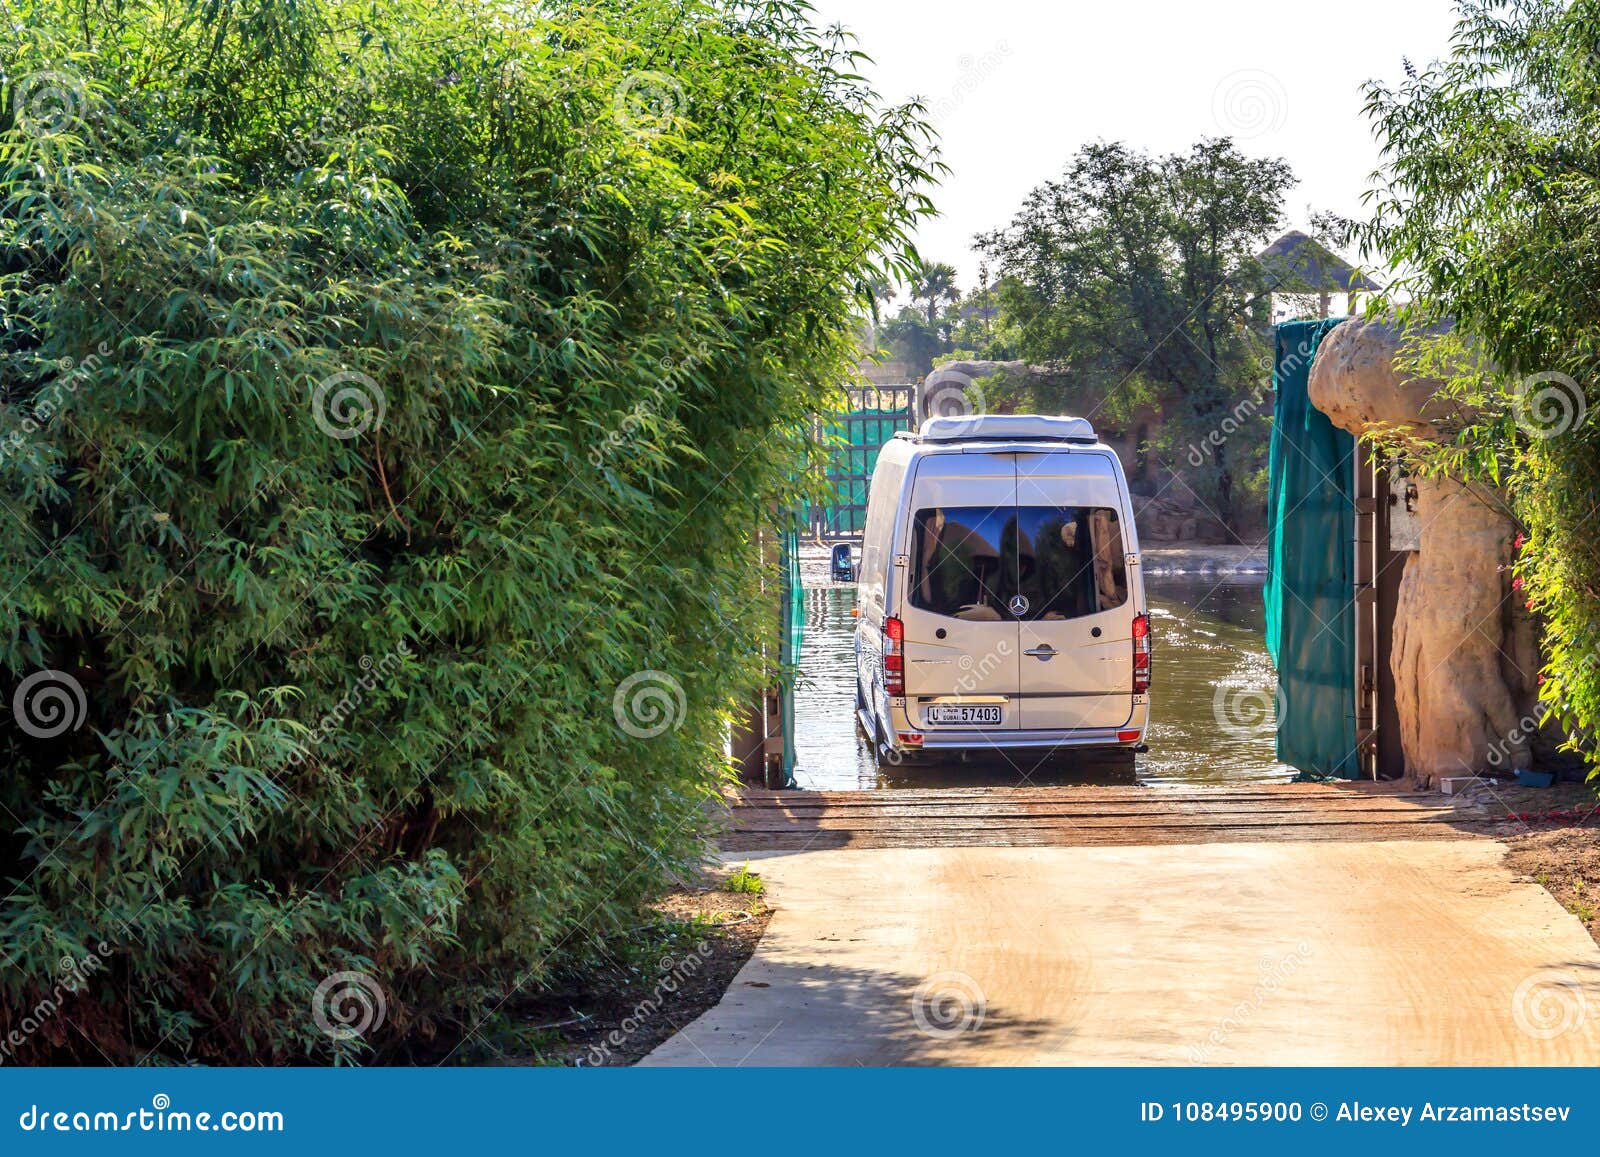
{"x":933,"y":284}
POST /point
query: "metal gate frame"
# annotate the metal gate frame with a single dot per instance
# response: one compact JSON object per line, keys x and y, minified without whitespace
{"x":876,"y":414}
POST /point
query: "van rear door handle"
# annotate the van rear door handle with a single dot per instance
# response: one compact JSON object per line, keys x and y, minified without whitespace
{"x":1046,"y":652}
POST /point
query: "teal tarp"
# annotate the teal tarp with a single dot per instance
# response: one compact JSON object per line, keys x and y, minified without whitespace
{"x":1311,"y":567}
{"x":793,"y":604}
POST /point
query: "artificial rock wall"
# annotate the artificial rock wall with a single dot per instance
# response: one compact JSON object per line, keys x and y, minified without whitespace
{"x":1465,"y":657}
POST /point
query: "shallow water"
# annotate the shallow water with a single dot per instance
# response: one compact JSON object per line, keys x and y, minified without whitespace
{"x":1211,"y":704}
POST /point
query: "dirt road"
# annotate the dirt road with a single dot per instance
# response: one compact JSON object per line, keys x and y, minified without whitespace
{"x":1282,"y":951}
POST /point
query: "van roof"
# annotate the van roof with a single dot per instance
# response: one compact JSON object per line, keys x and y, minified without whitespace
{"x":1007,"y":428}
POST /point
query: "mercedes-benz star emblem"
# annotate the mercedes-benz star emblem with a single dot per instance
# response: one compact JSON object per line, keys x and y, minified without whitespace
{"x":1019,"y":605}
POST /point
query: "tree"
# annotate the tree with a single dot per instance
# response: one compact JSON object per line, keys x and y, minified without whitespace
{"x":1137,"y":276}
{"x":934,"y":287}
{"x":910,"y":339}
{"x":399,"y":392}
{"x":1488,"y":211}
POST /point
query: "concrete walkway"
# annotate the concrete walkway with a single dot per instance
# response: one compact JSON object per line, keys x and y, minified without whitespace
{"x":1276,"y":952}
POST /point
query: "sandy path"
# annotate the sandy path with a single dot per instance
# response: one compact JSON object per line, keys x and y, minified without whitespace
{"x":1298,"y":952}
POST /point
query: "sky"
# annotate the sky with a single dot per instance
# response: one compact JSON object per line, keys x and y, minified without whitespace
{"x":1016,"y":87}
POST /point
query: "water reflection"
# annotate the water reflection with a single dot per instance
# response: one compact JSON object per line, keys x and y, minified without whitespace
{"x":1208,"y":635}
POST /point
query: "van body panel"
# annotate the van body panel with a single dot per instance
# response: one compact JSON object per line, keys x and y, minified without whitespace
{"x":1077,"y":666}
{"x":876,"y":581}
{"x":977,"y":655}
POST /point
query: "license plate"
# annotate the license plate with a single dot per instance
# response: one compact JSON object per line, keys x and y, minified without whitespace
{"x":973,"y":716}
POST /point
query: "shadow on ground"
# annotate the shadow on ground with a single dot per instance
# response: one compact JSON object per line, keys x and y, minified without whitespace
{"x":833,"y":1015}
{"x":1019,"y":768}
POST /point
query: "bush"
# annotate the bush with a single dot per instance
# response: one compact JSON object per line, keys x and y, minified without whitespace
{"x":392,"y":394}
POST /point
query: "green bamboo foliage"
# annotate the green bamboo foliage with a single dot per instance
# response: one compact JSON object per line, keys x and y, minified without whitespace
{"x":382,"y":387}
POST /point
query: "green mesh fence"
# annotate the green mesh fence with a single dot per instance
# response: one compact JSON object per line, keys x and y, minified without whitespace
{"x":794,"y":619}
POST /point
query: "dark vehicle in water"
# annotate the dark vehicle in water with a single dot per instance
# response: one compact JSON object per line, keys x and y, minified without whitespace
{"x":843,"y":568}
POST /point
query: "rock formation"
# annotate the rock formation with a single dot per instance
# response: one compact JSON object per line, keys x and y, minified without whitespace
{"x":1465,"y":656}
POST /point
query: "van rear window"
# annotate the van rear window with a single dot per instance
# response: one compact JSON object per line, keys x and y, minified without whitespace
{"x":969,"y":561}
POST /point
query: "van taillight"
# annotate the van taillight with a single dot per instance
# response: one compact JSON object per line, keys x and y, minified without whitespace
{"x":894,"y":658}
{"x":1141,"y":653}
